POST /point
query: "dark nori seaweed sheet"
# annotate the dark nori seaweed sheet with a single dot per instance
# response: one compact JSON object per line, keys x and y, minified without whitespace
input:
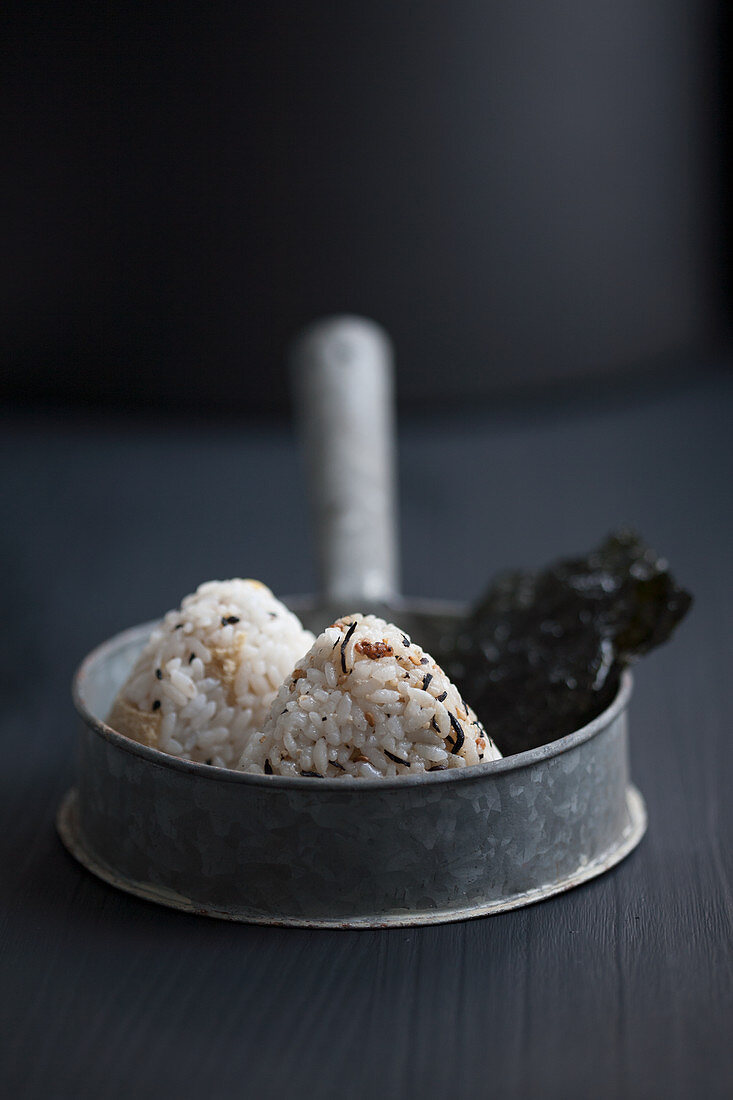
{"x":542,"y":652}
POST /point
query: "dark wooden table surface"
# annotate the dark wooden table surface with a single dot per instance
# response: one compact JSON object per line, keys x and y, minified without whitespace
{"x":621,"y":988}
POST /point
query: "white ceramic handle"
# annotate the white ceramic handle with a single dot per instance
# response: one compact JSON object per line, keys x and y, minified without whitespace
{"x":343,"y":382}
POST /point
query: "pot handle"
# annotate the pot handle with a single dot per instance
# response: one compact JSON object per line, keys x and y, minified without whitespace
{"x":343,"y":382}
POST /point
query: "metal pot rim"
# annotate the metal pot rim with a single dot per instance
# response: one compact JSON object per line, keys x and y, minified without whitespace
{"x":350,"y":783}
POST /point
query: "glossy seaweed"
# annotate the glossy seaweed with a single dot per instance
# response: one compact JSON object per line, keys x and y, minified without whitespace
{"x":541,"y":653}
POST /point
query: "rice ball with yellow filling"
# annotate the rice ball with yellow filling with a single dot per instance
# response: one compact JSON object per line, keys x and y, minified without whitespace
{"x":366,"y":701}
{"x":210,"y":671}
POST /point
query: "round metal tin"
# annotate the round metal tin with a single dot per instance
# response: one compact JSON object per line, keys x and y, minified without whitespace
{"x":347,"y":853}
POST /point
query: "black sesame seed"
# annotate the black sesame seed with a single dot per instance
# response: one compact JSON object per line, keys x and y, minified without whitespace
{"x":312,"y":775}
{"x":426,"y":681}
{"x":442,"y":697}
{"x":460,"y":735}
{"x":158,"y":674}
{"x":434,"y":724}
{"x":156,"y":704}
{"x":438,"y":768}
{"x":397,"y":759}
{"x":229,"y":620}
{"x":405,"y":641}
{"x":337,"y":765}
{"x":349,"y":632}
{"x":325,"y":718}
{"x":268,"y":767}
{"x":423,"y":660}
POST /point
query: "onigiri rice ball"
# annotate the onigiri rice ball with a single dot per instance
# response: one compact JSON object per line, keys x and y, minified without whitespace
{"x":210,"y":671}
{"x":366,"y":701}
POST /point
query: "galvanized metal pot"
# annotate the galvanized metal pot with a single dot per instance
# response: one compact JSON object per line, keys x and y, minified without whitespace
{"x":346,"y":852}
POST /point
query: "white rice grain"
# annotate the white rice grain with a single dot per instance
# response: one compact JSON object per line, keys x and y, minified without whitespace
{"x":210,"y":671}
{"x":381,"y":716}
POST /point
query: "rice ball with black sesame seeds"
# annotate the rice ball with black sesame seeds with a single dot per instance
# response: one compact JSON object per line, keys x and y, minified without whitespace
{"x":366,"y":701}
{"x":210,"y":671}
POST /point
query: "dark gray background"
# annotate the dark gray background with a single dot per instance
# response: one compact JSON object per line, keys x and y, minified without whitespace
{"x":519,"y":192}
{"x":620,"y":989}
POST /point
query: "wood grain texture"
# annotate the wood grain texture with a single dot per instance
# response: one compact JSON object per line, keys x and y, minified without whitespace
{"x":622,"y":988}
